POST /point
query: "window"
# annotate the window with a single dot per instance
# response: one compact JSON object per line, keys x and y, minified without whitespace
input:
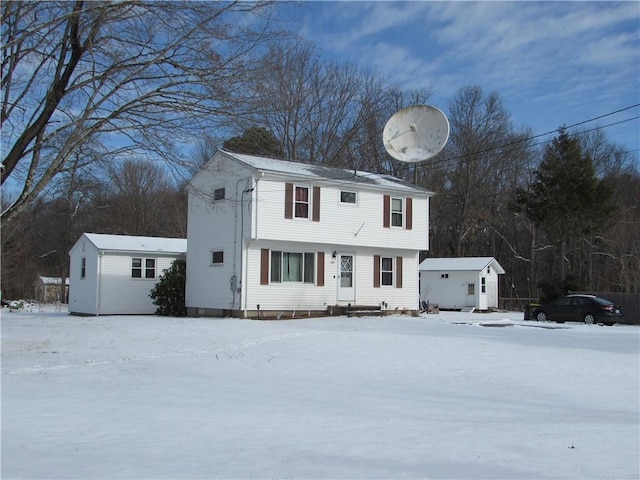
{"x":471,"y":289}
{"x":218,"y":194}
{"x":301,"y":202}
{"x":292,"y":267}
{"x":143,"y":265}
{"x":83,"y":267}
{"x":483,"y":285}
{"x":444,"y":275}
{"x":348,"y":197}
{"x":386,"y":271}
{"x":217,"y":258}
{"x":396,"y":212}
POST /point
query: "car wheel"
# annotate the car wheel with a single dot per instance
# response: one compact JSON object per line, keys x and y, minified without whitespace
{"x":589,"y":318}
{"x":541,"y":317}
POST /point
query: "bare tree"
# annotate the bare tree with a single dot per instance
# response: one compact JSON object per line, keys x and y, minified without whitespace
{"x":122,"y":74}
{"x":482,"y":160}
{"x":137,"y":199}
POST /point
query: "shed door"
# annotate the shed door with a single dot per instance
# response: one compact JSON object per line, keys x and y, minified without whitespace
{"x":346,"y":277}
{"x":492,"y":295}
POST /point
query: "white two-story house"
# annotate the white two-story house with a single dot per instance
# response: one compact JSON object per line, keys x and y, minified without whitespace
{"x":274,"y":237}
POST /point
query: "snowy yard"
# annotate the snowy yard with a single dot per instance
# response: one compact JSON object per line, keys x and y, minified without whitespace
{"x":436,"y":396}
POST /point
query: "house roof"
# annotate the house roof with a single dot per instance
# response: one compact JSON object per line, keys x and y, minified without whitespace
{"x":460,"y":264}
{"x":127,"y":243}
{"x":320,"y":172}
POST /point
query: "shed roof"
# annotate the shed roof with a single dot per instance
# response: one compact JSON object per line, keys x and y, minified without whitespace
{"x":321,"y":172}
{"x":52,"y":280}
{"x":127,"y":243}
{"x":460,"y":264}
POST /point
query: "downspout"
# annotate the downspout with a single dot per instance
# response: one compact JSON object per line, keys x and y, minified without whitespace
{"x":98,"y":275}
{"x":245,"y":274}
{"x":235,"y":242}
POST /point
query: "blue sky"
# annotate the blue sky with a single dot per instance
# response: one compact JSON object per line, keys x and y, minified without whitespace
{"x":553,"y":63}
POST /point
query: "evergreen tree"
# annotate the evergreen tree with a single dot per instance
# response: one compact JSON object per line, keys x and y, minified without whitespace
{"x":566,"y":199}
{"x":169,"y":292}
{"x":255,"y":141}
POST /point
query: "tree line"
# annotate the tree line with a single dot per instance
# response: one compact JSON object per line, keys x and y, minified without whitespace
{"x":109,"y":108}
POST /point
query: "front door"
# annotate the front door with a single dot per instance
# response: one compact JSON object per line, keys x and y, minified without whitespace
{"x":346,"y":283}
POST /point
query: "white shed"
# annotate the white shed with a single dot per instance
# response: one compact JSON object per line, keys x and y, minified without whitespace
{"x":456,"y":283}
{"x":114,"y":274}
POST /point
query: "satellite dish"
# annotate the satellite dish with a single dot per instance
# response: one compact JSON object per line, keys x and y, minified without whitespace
{"x":416,"y":133}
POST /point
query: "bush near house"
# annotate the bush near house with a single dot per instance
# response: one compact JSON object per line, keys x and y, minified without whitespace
{"x":169,"y":292}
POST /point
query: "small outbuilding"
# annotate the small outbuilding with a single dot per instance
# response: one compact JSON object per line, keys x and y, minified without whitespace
{"x":114,"y":274}
{"x":49,"y":289}
{"x":460,"y":283}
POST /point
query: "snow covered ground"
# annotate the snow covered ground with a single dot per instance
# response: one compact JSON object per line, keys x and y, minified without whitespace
{"x":451,"y":395}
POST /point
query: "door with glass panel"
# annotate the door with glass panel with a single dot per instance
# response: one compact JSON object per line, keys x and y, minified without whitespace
{"x":346,"y":277}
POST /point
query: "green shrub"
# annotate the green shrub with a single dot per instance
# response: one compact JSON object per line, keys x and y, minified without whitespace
{"x":168,"y":294}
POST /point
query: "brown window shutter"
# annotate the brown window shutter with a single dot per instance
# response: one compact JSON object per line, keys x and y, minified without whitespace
{"x":398,"y":272}
{"x":264,"y":266}
{"x":320,"y":269}
{"x":288,"y":200}
{"x":386,"y":216}
{"x":409,"y":215}
{"x":316,"y":204}
{"x":376,"y":271}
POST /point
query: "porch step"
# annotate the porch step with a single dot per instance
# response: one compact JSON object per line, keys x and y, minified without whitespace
{"x":357,"y":310}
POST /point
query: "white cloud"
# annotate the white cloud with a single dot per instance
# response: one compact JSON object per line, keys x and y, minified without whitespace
{"x":574,"y":56}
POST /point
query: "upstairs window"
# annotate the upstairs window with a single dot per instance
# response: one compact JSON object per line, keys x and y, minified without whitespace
{"x":396,"y":212}
{"x":218,"y":194}
{"x":348,"y":197}
{"x":301,"y":202}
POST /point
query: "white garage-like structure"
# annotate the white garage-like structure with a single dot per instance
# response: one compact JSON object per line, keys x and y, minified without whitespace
{"x":114,"y":274}
{"x":460,"y":283}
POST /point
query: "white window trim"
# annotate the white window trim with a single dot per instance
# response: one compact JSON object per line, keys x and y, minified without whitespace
{"x":403,"y":213}
{"x":219,"y":199}
{"x":309,"y":203}
{"x":295,"y":282}
{"x":143,"y":269}
{"x":211,"y":252}
{"x":393,"y":272}
{"x":348,"y":204}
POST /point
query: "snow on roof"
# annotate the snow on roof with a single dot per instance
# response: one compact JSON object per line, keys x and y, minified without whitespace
{"x":311,"y":171}
{"x":129,"y":243}
{"x":460,"y":263}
